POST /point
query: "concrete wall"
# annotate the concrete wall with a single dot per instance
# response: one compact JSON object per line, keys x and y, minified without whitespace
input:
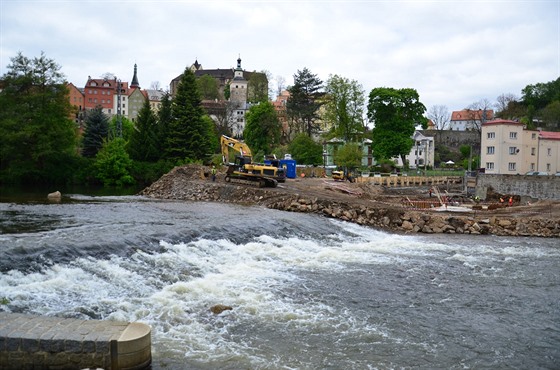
{"x":44,"y":342}
{"x":540,"y":187}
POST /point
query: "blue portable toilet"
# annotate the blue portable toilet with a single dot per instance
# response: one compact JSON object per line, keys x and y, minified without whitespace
{"x":290,"y":166}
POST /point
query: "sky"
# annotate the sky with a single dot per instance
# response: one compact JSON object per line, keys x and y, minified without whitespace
{"x":453,"y":53}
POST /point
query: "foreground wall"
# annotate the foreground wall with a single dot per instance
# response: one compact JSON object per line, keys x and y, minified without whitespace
{"x":43,"y":342}
{"x":539,"y":187}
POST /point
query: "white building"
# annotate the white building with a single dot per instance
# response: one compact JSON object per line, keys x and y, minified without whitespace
{"x":468,"y":120}
{"x":422,"y":153}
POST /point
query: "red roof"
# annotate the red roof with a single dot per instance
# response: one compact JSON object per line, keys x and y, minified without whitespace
{"x":470,"y":115}
{"x":549,"y":135}
{"x":503,"y":122}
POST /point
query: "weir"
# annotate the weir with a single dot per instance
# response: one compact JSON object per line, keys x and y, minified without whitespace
{"x":40,"y":342}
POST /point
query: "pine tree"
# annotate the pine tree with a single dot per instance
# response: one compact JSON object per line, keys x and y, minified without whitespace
{"x":303,"y":105}
{"x":164,"y":118}
{"x":189,"y":136}
{"x":97,"y":130}
{"x":143,"y":144}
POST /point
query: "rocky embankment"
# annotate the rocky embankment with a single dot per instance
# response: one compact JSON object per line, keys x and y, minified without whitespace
{"x":187,"y":183}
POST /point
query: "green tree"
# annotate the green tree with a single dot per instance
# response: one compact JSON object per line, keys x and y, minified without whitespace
{"x":395,"y":114}
{"x":164,"y":119}
{"x":127,"y":127}
{"x":189,"y":136}
{"x":38,"y":139}
{"x":257,"y":88}
{"x":305,"y":150}
{"x":344,"y":107}
{"x":303,"y":104}
{"x":113,"y":164}
{"x":262,"y":128}
{"x":551,"y":115}
{"x":536,"y":97}
{"x":143,"y":144}
{"x":96,"y":132}
{"x":208,"y":87}
{"x":348,"y":156}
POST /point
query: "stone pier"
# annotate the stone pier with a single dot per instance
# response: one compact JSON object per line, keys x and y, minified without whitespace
{"x":39,"y":342}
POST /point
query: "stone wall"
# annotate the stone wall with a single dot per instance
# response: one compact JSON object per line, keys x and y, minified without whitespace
{"x":538,"y":187}
{"x":393,"y":218}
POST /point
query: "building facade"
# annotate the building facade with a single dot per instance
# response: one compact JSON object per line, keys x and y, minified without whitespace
{"x":100,"y":92}
{"x":234,"y":79}
{"x":508,"y":147}
{"x":76,"y":98}
{"x":422,"y":154}
{"x":469,"y":120}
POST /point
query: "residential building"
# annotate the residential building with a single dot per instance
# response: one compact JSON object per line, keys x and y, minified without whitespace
{"x":100,"y":92}
{"x":331,"y":147}
{"x":155,"y":97}
{"x":508,"y":147}
{"x":281,"y":111}
{"x":469,"y":120}
{"x":76,"y":98}
{"x":120,"y":102}
{"x":136,"y":99}
{"x":422,"y":153}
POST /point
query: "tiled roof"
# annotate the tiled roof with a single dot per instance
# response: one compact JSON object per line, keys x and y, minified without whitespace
{"x":549,"y":135}
{"x":467,"y":114}
{"x":502,"y":122}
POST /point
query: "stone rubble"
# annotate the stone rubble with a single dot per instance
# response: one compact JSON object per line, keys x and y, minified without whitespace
{"x":179,"y":185}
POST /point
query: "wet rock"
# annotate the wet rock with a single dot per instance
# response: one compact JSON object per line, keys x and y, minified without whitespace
{"x":219,"y":308}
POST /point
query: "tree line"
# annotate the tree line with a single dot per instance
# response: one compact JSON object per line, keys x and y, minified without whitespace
{"x":40,"y":144}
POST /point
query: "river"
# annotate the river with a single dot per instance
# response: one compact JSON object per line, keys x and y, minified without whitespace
{"x":306,"y":292}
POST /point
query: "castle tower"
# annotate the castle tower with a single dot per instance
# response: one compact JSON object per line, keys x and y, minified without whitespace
{"x":134,"y":82}
{"x":238,"y":86}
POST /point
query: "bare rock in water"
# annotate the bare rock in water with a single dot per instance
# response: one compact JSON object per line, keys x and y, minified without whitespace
{"x":219,"y":308}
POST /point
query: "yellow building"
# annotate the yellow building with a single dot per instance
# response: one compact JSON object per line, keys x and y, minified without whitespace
{"x":508,"y":147}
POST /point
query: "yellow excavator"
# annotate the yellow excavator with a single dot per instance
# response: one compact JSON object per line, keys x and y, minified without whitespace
{"x":244,"y":171}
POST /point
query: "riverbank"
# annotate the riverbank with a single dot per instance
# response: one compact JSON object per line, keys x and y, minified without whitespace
{"x":364,"y":204}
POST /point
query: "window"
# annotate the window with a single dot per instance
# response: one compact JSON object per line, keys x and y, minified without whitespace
{"x":548,"y":152}
{"x":511,"y":166}
{"x":548,"y":167}
{"x":533,"y":151}
{"x":491,"y":135}
{"x":513,"y":135}
{"x":489,"y":165}
{"x":533,"y":136}
{"x":490,"y":150}
{"x":513,"y":150}
{"x":532,"y":166}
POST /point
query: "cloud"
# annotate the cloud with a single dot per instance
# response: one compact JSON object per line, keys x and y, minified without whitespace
{"x":453,"y":52}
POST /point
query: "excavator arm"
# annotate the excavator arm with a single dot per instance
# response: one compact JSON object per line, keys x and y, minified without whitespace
{"x":228,"y":143}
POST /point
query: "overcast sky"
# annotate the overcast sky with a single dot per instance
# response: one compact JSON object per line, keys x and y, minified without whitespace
{"x":454,"y":53}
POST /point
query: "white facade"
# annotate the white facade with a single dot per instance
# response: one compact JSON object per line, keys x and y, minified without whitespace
{"x":469,"y":120}
{"x":422,"y":153}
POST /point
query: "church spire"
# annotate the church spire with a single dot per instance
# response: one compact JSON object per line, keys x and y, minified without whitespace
{"x":134,"y":82}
